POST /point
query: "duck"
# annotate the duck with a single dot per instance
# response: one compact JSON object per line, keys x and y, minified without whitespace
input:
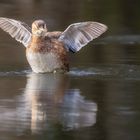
{"x":47,"y":51}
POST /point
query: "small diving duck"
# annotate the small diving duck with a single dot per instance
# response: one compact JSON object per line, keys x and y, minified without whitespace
{"x":48,"y":51}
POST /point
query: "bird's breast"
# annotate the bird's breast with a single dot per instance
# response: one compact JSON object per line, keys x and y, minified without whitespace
{"x":46,"y":55}
{"x":44,"y":62}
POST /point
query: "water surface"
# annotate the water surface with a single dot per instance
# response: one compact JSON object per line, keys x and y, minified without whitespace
{"x":98,"y":98}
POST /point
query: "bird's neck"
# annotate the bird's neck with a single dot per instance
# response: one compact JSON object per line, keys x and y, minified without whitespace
{"x":37,"y":45}
{"x":37,"y":39}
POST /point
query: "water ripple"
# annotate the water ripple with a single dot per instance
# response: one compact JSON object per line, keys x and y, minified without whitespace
{"x":116,"y":71}
{"x":14,"y":73}
{"x":120,"y":71}
{"x":119,"y":39}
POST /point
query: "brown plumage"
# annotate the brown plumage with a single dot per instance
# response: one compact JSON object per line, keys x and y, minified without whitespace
{"x":46,"y":45}
{"x":48,"y":51}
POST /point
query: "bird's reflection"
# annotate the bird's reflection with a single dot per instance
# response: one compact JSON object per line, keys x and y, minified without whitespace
{"x":47,"y":102}
{"x":76,"y":112}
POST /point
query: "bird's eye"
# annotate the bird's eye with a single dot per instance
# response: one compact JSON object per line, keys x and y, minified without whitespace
{"x":44,"y":26}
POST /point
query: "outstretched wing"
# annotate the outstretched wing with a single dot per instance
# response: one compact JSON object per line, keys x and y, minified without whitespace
{"x":77,"y":35}
{"x":18,"y":30}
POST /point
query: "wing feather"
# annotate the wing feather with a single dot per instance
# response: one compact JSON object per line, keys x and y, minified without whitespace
{"x":77,"y":35}
{"x":18,"y":30}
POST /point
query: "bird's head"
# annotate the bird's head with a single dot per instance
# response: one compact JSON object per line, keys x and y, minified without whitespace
{"x":39,"y":27}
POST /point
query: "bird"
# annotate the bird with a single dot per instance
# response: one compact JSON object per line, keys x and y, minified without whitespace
{"x":47,"y":51}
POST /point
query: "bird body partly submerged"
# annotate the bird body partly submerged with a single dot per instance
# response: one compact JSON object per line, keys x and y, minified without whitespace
{"x":48,"y":51}
{"x":47,"y":54}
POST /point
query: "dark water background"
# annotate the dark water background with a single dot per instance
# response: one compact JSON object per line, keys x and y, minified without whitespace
{"x":99,"y":99}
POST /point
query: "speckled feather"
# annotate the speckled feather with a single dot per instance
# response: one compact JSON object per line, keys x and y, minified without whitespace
{"x":47,"y":54}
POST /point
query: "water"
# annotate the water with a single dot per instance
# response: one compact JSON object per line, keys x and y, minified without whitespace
{"x":98,"y":98}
